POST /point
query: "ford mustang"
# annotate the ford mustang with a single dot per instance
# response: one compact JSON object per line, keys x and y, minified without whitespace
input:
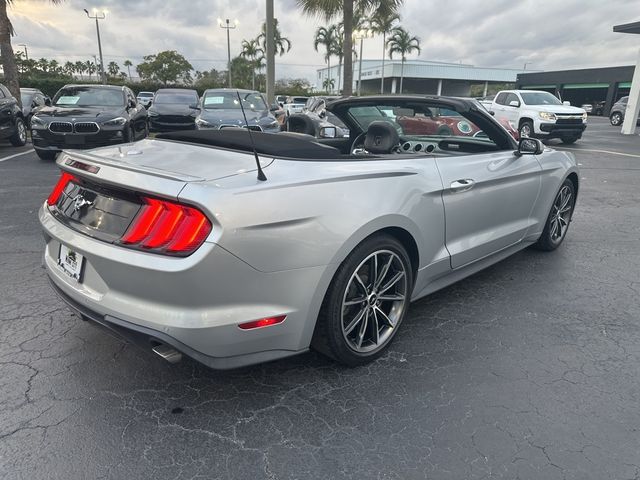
{"x":235,"y":247}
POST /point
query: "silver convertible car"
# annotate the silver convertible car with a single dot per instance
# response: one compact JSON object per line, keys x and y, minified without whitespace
{"x":236,"y":247}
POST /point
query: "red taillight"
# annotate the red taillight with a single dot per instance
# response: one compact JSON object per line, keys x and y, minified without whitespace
{"x":263,"y":322}
{"x":168,"y":227}
{"x":64,"y":180}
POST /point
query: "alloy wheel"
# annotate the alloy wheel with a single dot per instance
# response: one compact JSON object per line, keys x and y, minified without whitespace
{"x":525,"y":130}
{"x":561,"y":214}
{"x":22,"y":132}
{"x":374,"y":301}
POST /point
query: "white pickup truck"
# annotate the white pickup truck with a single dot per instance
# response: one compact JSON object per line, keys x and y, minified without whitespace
{"x":539,"y":114}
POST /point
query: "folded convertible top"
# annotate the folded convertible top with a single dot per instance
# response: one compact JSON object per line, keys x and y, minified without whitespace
{"x":272,"y":144}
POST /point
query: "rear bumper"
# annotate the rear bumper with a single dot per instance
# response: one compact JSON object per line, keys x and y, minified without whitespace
{"x":193,"y":304}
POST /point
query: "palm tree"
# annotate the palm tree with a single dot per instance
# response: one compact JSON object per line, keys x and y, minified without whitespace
{"x":331,"y":8}
{"x":81,"y":67}
{"x":90,"y":67}
{"x":327,"y":37}
{"x":383,"y":24}
{"x":402,"y":43}
{"x":69,"y":68}
{"x":128,"y":64}
{"x":7,"y":57}
{"x":54,"y":67}
{"x":113,"y":68}
{"x":329,"y":84}
{"x":282,"y":44}
{"x":251,"y":51}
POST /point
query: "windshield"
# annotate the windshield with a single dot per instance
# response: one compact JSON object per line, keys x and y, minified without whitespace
{"x":229,"y":101}
{"x":180,"y":98}
{"x":540,"y":98}
{"x":420,"y":121}
{"x":145,"y":94}
{"x":299,"y":100}
{"x":89,"y":97}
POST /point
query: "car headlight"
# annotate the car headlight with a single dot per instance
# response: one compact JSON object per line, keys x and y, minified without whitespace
{"x":115,"y":122}
{"x":584,"y":117}
{"x":548,"y":116}
{"x":38,"y":124}
{"x":203,"y":123}
{"x":152,"y":113}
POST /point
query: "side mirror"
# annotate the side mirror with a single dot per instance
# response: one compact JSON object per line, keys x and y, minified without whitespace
{"x":47,"y":102}
{"x":529,"y":146}
{"x":566,"y":103}
{"x":514,"y":103}
{"x":328,"y":132}
{"x":131,"y":104}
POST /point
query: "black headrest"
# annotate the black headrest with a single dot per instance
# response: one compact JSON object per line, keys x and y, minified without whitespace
{"x":381,"y":137}
{"x":300,"y":123}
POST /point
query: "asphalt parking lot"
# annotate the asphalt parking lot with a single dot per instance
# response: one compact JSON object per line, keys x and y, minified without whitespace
{"x":527,"y":370}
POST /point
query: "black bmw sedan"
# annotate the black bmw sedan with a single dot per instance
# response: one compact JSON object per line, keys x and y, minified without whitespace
{"x":173,"y":109}
{"x":87,"y":116}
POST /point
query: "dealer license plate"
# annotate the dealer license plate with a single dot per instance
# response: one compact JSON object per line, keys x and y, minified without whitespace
{"x":70,"y":262}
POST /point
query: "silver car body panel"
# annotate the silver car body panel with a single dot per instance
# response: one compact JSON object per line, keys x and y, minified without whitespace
{"x":276,"y":245}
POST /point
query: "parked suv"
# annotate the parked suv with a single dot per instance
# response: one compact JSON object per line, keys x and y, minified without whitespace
{"x":540,"y":114}
{"x":87,"y":116}
{"x":12,"y":123}
{"x":616,"y":117}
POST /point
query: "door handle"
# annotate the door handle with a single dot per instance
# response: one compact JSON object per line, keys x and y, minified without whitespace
{"x":462,"y":185}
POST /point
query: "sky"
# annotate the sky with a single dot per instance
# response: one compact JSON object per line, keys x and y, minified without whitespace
{"x":544,"y":34}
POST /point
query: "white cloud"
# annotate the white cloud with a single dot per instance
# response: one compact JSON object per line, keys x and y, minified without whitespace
{"x":547,"y":34}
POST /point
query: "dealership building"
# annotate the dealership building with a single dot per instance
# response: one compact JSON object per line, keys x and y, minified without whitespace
{"x":587,"y":85}
{"x":419,"y":76}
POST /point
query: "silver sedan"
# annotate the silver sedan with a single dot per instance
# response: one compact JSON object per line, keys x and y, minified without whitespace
{"x":233,"y":247}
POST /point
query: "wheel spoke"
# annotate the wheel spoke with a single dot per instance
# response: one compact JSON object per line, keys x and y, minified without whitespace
{"x":391,"y":298}
{"x":373,"y":277}
{"x":395,"y":279}
{"x":376,"y":327}
{"x":359,"y":280}
{"x":566,"y":196}
{"x":554,"y":228}
{"x":385,"y":270}
{"x":363,"y":329}
{"x":385,"y":317}
{"x":354,"y":323}
{"x":355,"y":301}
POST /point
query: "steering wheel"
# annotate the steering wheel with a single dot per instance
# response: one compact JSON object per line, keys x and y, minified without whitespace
{"x":358,"y":139}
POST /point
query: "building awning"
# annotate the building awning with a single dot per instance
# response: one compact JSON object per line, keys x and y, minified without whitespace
{"x":533,"y":87}
{"x":575,"y":86}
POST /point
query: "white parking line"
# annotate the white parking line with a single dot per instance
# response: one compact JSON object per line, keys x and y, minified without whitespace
{"x":16,"y":155}
{"x":595,"y":151}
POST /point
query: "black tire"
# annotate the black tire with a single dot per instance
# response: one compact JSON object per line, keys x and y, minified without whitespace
{"x":19,"y":139}
{"x":526,"y":128}
{"x":616,"y":119}
{"x":47,"y":155}
{"x":131,"y":134}
{"x":330,"y":336}
{"x":548,"y":241}
{"x":569,"y":140}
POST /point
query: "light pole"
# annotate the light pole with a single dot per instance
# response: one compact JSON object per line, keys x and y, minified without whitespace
{"x":525,"y":65}
{"x":99,"y":15}
{"x":227,"y":26}
{"x":360,"y":35}
{"x":26,"y":52}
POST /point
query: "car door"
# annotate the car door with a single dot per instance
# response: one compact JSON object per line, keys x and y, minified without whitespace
{"x":488,"y":199}
{"x":510,"y":112}
{"x":135,"y":114}
{"x":6,"y":112}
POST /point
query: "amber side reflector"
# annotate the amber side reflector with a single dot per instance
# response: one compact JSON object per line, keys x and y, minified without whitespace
{"x":263,"y":322}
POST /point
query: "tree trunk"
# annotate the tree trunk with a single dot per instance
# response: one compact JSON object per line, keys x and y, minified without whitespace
{"x":347,"y":18}
{"x":401,"y":74}
{"x":6,"y":54}
{"x":384,"y":52}
{"x":328,"y":74}
{"x":339,"y":74}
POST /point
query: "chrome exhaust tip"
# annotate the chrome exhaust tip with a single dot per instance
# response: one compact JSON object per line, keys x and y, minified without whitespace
{"x":170,"y":354}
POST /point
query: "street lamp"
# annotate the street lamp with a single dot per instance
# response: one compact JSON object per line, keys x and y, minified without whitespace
{"x":361,"y":35}
{"x":26,"y":52}
{"x":99,"y":15}
{"x":227,"y":26}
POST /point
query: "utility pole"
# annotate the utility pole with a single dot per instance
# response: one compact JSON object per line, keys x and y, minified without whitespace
{"x":99,"y":15}
{"x":361,"y":35}
{"x":271,"y":54}
{"x":227,"y":26}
